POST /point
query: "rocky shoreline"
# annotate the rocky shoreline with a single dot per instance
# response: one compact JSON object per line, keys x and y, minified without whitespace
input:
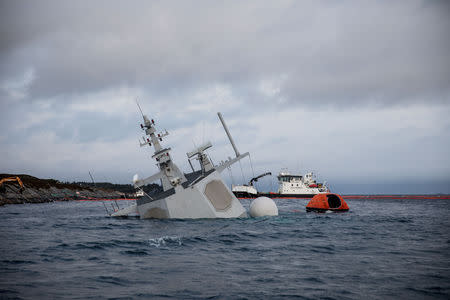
{"x":49,"y":190}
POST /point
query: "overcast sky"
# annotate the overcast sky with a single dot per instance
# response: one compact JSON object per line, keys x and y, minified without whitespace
{"x":357,"y":91}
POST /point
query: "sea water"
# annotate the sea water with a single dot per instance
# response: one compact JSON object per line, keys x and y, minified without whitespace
{"x":380,"y":249}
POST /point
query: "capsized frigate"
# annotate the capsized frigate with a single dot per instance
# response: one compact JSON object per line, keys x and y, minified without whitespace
{"x":199,"y":194}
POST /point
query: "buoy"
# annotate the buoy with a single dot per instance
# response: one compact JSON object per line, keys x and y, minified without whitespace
{"x":327,"y":202}
{"x":263,"y":206}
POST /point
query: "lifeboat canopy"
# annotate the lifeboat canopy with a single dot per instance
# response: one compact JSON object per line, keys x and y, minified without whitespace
{"x":327,"y":201}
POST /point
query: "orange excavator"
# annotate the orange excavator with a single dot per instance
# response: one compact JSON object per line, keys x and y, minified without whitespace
{"x":8,"y":179}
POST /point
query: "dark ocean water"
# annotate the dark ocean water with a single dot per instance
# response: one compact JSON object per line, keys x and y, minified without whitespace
{"x":381,"y":249}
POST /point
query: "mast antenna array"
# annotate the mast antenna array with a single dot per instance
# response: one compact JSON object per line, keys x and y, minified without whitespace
{"x":139,"y":107}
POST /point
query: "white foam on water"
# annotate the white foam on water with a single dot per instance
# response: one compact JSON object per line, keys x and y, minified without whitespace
{"x":164,"y":241}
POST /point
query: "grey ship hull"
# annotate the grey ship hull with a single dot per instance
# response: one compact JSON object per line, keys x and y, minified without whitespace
{"x":201,"y":196}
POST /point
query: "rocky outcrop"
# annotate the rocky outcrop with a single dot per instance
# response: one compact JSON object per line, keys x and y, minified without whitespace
{"x":48,"y":190}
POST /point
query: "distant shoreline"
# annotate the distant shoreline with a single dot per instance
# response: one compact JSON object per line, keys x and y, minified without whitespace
{"x":38,"y":190}
{"x":49,"y":190}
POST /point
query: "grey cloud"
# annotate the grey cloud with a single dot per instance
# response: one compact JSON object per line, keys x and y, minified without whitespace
{"x":291,"y":77}
{"x":347,"y":51}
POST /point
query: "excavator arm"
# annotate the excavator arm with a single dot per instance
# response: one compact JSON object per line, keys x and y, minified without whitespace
{"x":22,"y":187}
{"x":9,"y":179}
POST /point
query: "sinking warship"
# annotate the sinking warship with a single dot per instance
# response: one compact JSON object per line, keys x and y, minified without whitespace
{"x":199,"y":194}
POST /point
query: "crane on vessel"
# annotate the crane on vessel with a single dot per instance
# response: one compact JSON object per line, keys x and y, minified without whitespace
{"x":255,"y":179}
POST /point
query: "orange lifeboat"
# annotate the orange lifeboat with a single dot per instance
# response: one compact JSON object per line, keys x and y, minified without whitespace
{"x":328,"y":201}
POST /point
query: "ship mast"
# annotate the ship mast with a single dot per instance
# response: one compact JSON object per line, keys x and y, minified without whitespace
{"x":169,"y":173}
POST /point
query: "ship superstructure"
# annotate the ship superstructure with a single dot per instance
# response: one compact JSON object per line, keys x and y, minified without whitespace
{"x":199,"y":194}
{"x":299,"y":185}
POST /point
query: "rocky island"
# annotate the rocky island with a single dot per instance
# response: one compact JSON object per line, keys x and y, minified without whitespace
{"x":29,"y":189}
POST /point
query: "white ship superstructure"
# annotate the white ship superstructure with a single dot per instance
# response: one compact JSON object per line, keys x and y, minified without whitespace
{"x":289,"y":184}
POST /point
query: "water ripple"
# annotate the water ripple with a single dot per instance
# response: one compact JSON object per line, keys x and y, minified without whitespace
{"x":387,"y":249}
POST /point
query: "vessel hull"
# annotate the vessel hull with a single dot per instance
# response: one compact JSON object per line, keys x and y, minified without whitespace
{"x":208,"y":198}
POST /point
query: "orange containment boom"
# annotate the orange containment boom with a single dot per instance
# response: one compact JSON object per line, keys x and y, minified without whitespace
{"x":328,"y":201}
